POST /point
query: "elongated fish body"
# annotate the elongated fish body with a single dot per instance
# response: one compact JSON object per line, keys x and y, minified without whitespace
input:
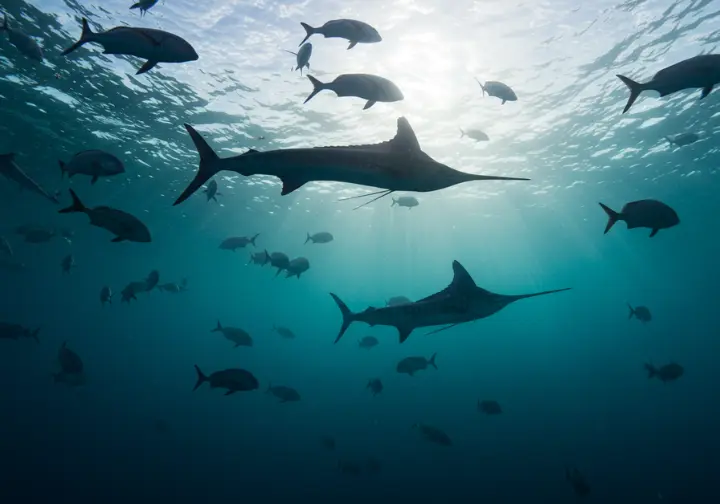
{"x":701,"y":71}
{"x":368,"y":87}
{"x":303,"y":57}
{"x":395,"y":165}
{"x":95,"y":163}
{"x":155,"y":46}
{"x":12,"y":171}
{"x":22,"y":41}
{"x":498,"y":90}
{"x":144,"y":6}
{"x":349,"y":29}
{"x":123,"y":225}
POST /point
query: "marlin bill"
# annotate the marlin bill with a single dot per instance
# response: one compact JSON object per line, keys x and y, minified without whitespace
{"x":398,"y":164}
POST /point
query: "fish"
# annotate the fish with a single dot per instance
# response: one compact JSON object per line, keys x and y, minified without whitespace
{"x":489,"y":407}
{"x":106,"y":295}
{"x":10,"y":170}
{"x":302,"y":57}
{"x":233,"y":380}
{"x":411,"y":365}
{"x":355,"y":32}
{"x":39,"y":235}
{"x":144,"y":6}
{"x":68,"y":263}
{"x":278,"y":260}
{"x":172,"y":287}
{"x":322,"y":237}
{"x":498,"y":90}
{"x":130,"y":290}
{"x":475,"y":134}
{"x":460,"y":302}
{"x":397,"y":301}
{"x":5,"y":247}
{"x":297,"y":267}
{"x":16,"y":331}
{"x":152,"y":280}
{"x":375,"y":386}
{"x":284,"y":332}
{"x":666,"y":373}
{"x":648,"y":213}
{"x":368,"y":87}
{"x":124,"y":226}
{"x":95,"y":163}
{"x":22,"y":41}
{"x":155,"y":46}
{"x":261,"y":258}
{"x":433,"y":434}
{"x":396,"y":165}
{"x":683,"y":139}
{"x":235,"y":242}
{"x":702,"y":71}
{"x":578,"y":482}
{"x":70,"y":362}
{"x":368,"y":342}
{"x":212,"y":191}
{"x":285,"y":394}
{"x":642,"y":313}
{"x":234,"y":334}
{"x":405,"y":201}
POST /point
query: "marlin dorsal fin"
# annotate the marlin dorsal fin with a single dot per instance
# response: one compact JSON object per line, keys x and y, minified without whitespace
{"x":405,"y":139}
{"x":462,"y":282}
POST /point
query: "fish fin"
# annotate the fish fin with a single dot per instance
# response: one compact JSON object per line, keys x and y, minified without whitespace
{"x":353,"y":43}
{"x":653,"y":232}
{"x":635,"y":89}
{"x":118,"y":239}
{"x":462,"y":133}
{"x":369,"y":104}
{"x":403,"y":332}
{"x":149,"y":37}
{"x":347,"y":315}
{"x":149,"y":64}
{"x":445,"y":328}
{"x":651,"y":370}
{"x":34,"y":335}
{"x":230,"y":392}
{"x":632,"y":312}
{"x":63,"y":170}
{"x":94,"y":179}
{"x":77,"y":205}
{"x":209,"y":164}
{"x":201,"y":378}
{"x":290,"y":52}
{"x":706,"y":91}
{"x":135,"y":5}
{"x":317,"y":87}
{"x":394,"y":202}
{"x":308,"y":238}
{"x":503,"y":102}
{"x":309,"y":30}
{"x":252,"y":240}
{"x":462,"y":282}
{"x":481,"y":85}
{"x":405,"y":138}
{"x":291,"y":184}
{"x":219,"y":327}
{"x":85,"y":37}
{"x":613,"y":217}
{"x":431,"y":362}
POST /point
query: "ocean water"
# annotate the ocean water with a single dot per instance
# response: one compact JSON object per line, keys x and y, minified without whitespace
{"x":566,"y":368}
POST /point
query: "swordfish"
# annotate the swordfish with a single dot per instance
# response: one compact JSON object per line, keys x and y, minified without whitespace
{"x":12,"y":171}
{"x":461,"y":301}
{"x":396,"y":165}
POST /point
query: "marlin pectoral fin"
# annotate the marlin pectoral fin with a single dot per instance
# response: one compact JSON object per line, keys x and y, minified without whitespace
{"x":94,"y":179}
{"x":290,"y":184}
{"x":653,"y":232}
{"x":369,"y":104}
{"x":146,"y":67}
{"x":404,"y":332}
{"x":706,"y":91}
{"x":353,"y":43}
{"x":117,"y":239}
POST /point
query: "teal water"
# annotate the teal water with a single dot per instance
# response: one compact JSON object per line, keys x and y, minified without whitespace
{"x":567,"y":369}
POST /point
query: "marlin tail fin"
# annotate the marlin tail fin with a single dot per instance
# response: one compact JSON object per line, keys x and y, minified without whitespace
{"x":85,"y":37}
{"x":209,"y":165}
{"x":201,"y":378}
{"x":635,"y":89}
{"x":317,"y":87}
{"x":309,"y":30}
{"x":632,"y":311}
{"x":347,"y":315}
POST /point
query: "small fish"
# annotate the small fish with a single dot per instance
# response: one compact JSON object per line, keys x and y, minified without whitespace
{"x":261,"y":258}
{"x":5,"y":247}
{"x":322,"y":237}
{"x":405,"y":201}
{"x":498,"y":90}
{"x":397,"y":301}
{"x":152,"y":280}
{"x":70,"y":362}
{"x":235,"y":242}
{"x":16,"y":331}
{"x":155,"y":46}
{"x":284,"y":332}
{"x":578,"y":482}
{"x":368,"y":87}
{"x":106,"y":295}
{"x":433,"y":434}
{"x":349,"y":29}
{"x":39,"y":235}
{"x":683,"y":139}
{"x":666,"y":373}
{"x":123,"y":225}
{"x":411,"y":365}
{"x":234,"y":334}
{"x":302,"y":57}
{"x":173,"y":287}
{"x":22,"y":41}
{"x":285,"y":394}
{"x":10,"y":170}
{"x":642,"y":313}
{"x":130,"y":291}
{"x":650,"y":214}
{"x":475,"y":134}
{"x":701,"y":71}
{"x":278,"y":260}
{"x":489,"y":407}
{"x":297,"y":267}
{"x":144,"y":6}
{"x":68,"y":263}
{"x":368,"y":342}
{"x":94,"y":163}
{"x":375,"y":386}
{"x":233,"y":380}
{"x":212,"y":191}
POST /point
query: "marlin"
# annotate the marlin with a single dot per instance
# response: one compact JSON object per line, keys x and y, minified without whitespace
{"x":395,"y":165}
{"x":460,"y":302}
{"x":12,"y":171}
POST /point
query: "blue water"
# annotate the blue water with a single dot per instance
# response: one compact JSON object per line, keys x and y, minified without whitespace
{"x":567,"y":368}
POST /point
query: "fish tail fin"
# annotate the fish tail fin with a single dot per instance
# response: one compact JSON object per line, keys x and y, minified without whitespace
{"x":219,"y":327}
{"x":347,"y":315}
{"x":394,"y":201}
{"x":34,"y":335}
{"x":632,"y":312}
{"x":269,"y":389}
{"x":77,"y":205}
{"x":317,"y":87}
{"x":481,"y":85}
{"x":613,"y":217}
{"x":309,"y":31}
{"x":201,"y":378}
{"x":85,"y":37}
{"x":635,"y":89}
{"x":308,"y":238}
{"x":252,"y":240}
{"x":209,"y":165}
{"x":462,"y":133}
{"x":63,"y":169}
{"x":431,"y":362}
{"x":651,"y":370}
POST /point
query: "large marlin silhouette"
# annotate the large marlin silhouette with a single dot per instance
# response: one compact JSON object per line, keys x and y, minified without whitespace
{"x":396,"y":165}
{"x":461,"y":301}
{"x":12,"y":171}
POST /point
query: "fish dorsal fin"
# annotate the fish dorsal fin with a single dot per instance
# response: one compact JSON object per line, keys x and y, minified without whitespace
{"x":462,"y":282}
{"x":250,"y":151}
{"x":405,"y":139}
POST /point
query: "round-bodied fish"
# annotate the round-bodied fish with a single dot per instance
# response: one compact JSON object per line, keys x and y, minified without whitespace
{"x":235,"y":242}
{"x":212,"y":191}
{"x":666,"y":373}
{"x":22,"y":41}
{"x":322,"y":237}
{"x":144,"y":6}
{"x":285,"y":394}
{"x":498,"y":90}
{"x":284,"y":332}
{"x":475,"y":134}
{"x":368,"y":87}
{"x":433,"y":434}
{"x":683,"y":139}
{"x":642,"y":313}
{"x":405,"y":201}
{"x":238,"y":336}
{"x":297,"y":267}
{"x":349,"y":29}
{"x":650,"y":214}
{"x":106,"y":295}
{"x":489,"y":407}
{"x":302,"y":57}
{"x":233,"y":380}
{"x":368,"y":342}
{"x":279,"y":260}
{"x":94,"y":163}
{"x":411,"y":365}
